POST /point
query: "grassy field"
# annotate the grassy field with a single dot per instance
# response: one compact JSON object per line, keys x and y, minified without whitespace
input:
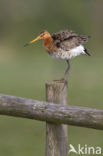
{"x":24,"y":74}
{"x":24,"y":71}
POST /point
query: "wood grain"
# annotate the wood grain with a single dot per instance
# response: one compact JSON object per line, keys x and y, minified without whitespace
{"x":54,"y":113}
{"x":56,"y":134}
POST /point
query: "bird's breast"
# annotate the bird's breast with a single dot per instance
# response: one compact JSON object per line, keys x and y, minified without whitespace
{"x":49,"y":46}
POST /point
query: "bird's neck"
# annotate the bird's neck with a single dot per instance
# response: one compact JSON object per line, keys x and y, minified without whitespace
{"x":48,"y":44}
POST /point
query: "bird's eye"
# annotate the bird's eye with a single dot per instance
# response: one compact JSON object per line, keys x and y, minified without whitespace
{"x":41,"y":35}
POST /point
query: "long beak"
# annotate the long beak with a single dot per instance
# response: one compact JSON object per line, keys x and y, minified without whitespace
{"x":38,"y":38}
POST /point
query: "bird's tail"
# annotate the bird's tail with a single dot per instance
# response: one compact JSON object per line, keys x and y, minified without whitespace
{"x":85,"y":38}
{"x":86,"y":52}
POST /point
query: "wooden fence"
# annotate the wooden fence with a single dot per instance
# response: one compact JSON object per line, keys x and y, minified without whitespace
{"x":55,"y":112}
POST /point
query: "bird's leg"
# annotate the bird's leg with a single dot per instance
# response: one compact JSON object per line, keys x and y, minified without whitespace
{"x":68,"y":68}
{"x":67,"y":71}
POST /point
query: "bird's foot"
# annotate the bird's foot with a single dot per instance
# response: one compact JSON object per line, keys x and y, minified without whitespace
{"x":63,"y":79}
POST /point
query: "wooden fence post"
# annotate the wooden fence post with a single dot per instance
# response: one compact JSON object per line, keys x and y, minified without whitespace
{"x":56,"y":134}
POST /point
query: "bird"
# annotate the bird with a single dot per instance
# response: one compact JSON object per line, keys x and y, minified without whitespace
{"x":65,"y":45}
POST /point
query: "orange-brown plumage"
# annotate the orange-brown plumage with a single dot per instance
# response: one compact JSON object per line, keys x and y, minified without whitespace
{"x":48,"y":44}
{"x":47,"y":40}
{"x":63,"y":45}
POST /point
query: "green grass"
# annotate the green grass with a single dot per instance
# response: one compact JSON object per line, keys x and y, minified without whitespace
{"x":24,"y":71}
{"x":25,"y":75}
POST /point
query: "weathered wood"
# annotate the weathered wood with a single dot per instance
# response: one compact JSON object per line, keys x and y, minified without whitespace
{"x":54,"y":113}
{"x":56,"y":134}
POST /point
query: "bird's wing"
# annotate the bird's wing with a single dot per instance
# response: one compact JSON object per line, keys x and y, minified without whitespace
{"x":62,"y":35}
{"x":67,"y":40}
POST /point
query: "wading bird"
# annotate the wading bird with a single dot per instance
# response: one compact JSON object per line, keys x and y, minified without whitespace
{"x":64,"y":45}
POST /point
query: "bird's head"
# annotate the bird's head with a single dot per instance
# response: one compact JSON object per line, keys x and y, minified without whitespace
{"x":42,"y":35}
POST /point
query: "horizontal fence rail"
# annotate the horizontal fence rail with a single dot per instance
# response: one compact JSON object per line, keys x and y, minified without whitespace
{"x":54,"y":113}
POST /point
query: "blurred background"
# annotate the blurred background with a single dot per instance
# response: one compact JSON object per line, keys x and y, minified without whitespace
{"x":24,"y":71}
